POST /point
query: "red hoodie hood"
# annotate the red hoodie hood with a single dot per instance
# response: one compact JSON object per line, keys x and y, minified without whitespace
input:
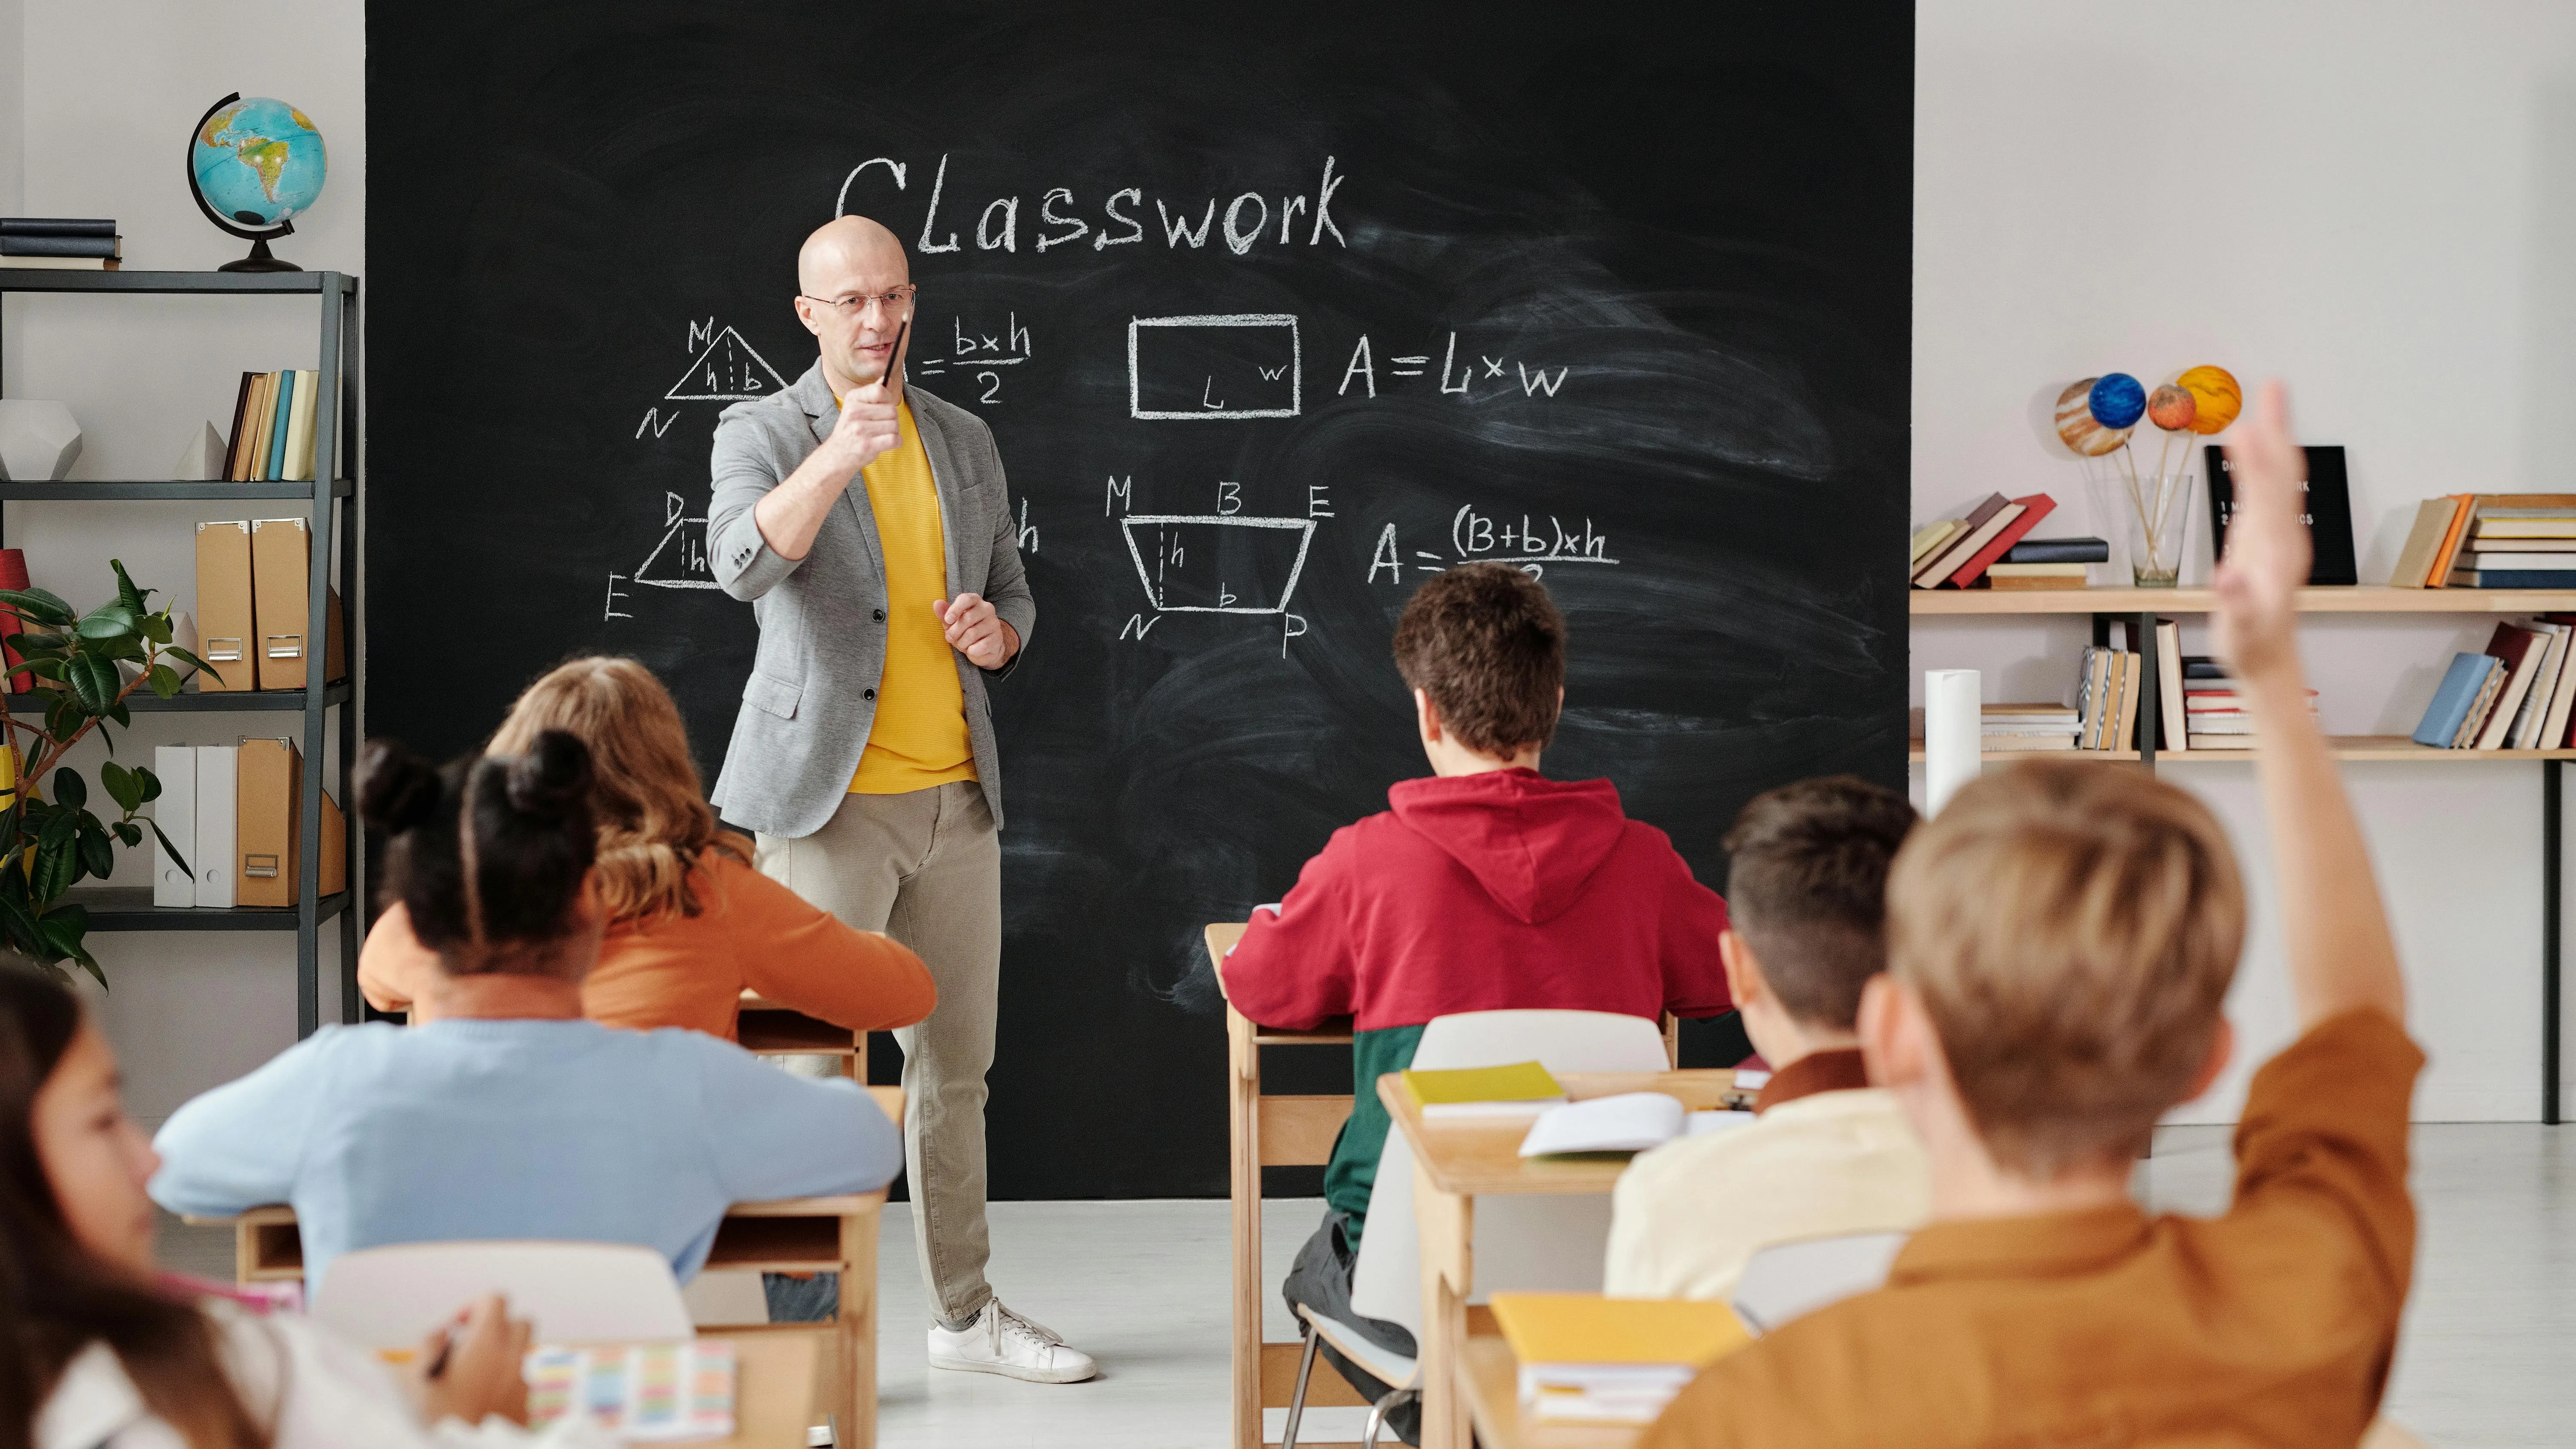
{"x":1531,"y":842}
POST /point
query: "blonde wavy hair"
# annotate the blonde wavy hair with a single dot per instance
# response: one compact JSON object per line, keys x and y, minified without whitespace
{"x":654,"y":821}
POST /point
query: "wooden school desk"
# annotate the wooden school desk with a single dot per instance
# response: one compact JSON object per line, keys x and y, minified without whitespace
{"x":1457,"y":1161}
{"x":773,"y":1390}
{"x":788,"y":1235}
{"x":1275,"y":1130}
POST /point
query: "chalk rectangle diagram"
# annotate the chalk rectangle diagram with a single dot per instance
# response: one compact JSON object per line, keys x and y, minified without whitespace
{"x":1236,"y":365}
{"x":1217,"y":563}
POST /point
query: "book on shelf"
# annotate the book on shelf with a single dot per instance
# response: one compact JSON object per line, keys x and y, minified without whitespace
{"x":2468,"y":676}
{"x":2524,"y":731}
{"x":97,"y":248}
{"x":2544,"y":561}
{"x":2488,"y":519}
{"x":2032,"y":509}
{"x":2433,"y":518}
{"x":2562,"y":693}
{"x":2035,"y":576}
{"x":2521,"y":651}
{"x":2326,"y":510}
{"x":61,"y":264}
{"x":2483,"y":578}
{"x":2058,"y":550}
{"x":1954,"y":549}
{"x":2202,"y":666}
{"x":1929,"y":537}
{"x":2499,"y":543}
{"x":2169,"y":689}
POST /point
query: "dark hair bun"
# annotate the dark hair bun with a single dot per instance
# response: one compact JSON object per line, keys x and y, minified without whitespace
{"x":397,"y":789}
{"x":552,"y":779}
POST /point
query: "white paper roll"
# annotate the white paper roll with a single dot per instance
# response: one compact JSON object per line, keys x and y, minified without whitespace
{"x":1953,"y":732}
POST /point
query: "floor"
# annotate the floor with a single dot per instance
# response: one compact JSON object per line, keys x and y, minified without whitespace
{"x":2489,"y":1344}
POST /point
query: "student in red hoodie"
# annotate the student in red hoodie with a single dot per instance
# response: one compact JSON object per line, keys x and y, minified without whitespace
{"x":1486,"y":887}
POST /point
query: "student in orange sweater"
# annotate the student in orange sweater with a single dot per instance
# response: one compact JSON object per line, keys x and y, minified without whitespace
{"x":2061,"y":939}
{"x":691,"y":923}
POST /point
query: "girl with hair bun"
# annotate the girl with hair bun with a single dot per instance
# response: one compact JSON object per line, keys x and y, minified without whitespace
{"x":690,"y":924}
{"x":509,"y":1115}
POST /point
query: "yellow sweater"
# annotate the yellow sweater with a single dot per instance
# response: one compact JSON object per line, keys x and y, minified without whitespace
{"x":919,"y":737}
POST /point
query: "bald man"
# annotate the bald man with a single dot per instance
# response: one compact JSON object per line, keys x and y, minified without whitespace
{"x":869,"y":527}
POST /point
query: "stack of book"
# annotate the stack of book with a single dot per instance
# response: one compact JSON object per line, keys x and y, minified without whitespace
{"x":1957,"y":552}
{"x":273,"y":427}
{"x":2514,"y":695}
{"x":1589,"y":1359}
{"x":2047,"y":563}
{"x":2214,"y":714}
{"x":2106,"y":699}
{"x":2490,"y":541}
{"x":2029,"y":727}
{"x":60,"y":243}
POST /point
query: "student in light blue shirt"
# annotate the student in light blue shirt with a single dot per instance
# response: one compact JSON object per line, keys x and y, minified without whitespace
{"x":510,"y":1116}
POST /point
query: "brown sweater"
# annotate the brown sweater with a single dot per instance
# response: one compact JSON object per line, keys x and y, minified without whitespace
{"x":2274,"y":1324}
{"x":679,"y":970}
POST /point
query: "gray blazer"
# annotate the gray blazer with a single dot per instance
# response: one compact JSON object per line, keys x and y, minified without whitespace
{"x":812,"y":695}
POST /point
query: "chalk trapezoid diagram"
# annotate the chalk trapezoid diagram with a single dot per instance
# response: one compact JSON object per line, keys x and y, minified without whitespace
{"x":729,"y":370}
{"x":1175,"y":585}
{"x":679,"y":561}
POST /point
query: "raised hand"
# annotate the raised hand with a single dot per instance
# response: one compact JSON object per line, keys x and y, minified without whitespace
{"x":976,"y":631}
{"x":2256,"y":621}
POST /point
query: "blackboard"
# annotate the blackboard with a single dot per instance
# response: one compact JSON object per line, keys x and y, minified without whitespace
{"x":1619,"y":291}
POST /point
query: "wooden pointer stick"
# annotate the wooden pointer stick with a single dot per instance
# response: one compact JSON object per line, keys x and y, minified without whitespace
{"x":894,"y":353}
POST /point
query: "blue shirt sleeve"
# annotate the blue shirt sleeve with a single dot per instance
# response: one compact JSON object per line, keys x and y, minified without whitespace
{"x":773,"y":1135}
{"x":240,"y":1145}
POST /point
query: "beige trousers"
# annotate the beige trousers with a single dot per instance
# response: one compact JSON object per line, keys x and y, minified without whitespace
{"x":926,"y":869}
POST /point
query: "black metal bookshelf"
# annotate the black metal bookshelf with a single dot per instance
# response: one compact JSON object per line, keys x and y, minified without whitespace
{"x":127,"y":908}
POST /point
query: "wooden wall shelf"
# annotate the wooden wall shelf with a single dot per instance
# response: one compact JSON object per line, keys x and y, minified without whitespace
{"x":2362,"y":599}
{"x":2345,"y":747}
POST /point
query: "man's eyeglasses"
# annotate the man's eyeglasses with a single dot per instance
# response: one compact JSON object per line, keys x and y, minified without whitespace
{"x":894,"y":299}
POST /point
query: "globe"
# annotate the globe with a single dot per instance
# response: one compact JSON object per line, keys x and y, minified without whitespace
{"x":257,"y":162}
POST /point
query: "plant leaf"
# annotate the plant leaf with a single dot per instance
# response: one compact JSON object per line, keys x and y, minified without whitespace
{"x":121,"y":786}
{"x":38,"y":643}
{"x":156,"y":627}
{"x":193,"y":662}
{"x":93,"y":681}
{"x":176,"y":857}
{"x":149,"y":784}
{"x":128,"y":832}
{"x":164,"y":680}
{"x":126,"y":593}
{"x":97,"y":852}
{"x":58,"y":865}
{"x":37,"y":606}
{"x":109,"y":621}
{"x":62,"y":940}
{"x":70,"y":790}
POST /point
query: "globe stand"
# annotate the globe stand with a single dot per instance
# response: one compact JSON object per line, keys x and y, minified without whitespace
{"x":260,"y":260}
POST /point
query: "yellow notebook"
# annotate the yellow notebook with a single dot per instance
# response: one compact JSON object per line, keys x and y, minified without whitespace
{"x":1521,"y":1087}
{"x":1587,"y":1328}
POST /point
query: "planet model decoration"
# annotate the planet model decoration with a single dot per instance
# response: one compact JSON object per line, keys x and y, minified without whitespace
{"x":2117,"y":401}
{"x":2171,"y":407}
{"x":253,"y":166}
{"x":2216,"y":398}
{"x":2077,"y":427}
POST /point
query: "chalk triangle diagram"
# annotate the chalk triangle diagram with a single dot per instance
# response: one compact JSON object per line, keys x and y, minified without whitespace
{"x":679,"y":561}
{"x":727,"y":371}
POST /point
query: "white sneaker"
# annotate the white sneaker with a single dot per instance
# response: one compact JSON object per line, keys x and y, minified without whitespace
{"x":1002,"y":1342}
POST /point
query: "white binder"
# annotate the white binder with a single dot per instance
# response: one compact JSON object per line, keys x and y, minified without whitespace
{"x":218,"y":769}
{"x":176,"y":813}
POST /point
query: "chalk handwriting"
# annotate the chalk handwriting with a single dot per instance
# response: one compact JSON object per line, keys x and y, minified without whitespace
{"x":1476,"y":537}
{"x":1182,"y":560}
{"x":654,"y":421}
{"x":1187,"y":222}
{"x":1456,"y":378}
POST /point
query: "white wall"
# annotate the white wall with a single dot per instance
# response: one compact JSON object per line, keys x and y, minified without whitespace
{"x":2375,"y":201}
{"x":96,"y":102}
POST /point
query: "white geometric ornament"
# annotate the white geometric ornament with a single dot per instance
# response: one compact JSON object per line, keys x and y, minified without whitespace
{"x":39,"y":441}
{"x":203,"y":462}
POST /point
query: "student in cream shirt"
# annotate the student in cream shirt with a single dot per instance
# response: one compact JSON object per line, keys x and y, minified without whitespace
{"x":1826,"y":1154}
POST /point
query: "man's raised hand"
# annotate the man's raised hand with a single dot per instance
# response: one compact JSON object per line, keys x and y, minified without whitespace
{"x":866,"y":429}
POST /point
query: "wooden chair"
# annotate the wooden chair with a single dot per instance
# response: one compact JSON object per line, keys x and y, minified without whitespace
{"x":1279,"y":1130}
{"x":789,"y":1235}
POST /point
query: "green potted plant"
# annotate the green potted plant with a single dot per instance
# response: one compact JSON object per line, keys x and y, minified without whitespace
{"x":84,"y":666}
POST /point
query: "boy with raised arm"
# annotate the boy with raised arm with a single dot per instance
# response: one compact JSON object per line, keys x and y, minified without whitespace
{"x":2061,"y":939}
{"x":1827,"y":1154}
{"x":1486,"y":887}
